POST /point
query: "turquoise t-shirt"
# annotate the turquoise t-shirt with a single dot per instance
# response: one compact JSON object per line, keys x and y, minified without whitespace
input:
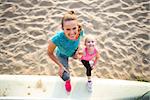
{"x":64,"y":45}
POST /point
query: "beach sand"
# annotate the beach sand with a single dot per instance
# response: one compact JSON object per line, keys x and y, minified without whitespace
{"x":121,"y":29}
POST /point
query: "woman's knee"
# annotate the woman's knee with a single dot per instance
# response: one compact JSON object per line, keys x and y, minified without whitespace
{"x":65,"y":76}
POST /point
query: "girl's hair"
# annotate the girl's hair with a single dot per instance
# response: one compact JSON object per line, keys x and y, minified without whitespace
{"x":89,"y":36}
{"x":70,"y":15}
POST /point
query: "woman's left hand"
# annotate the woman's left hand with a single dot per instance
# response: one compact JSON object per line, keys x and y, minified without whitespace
{"x":78,"y":54}
{"x":75,"y":56}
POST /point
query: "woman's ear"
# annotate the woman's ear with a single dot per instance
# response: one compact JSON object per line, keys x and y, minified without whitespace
{"x":85,"y":43}
{"x":62,"y":24}
{"x":62,"y":27}
{"x":79,"y":27}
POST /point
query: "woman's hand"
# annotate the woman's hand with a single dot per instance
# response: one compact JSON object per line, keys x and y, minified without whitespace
{"x":78,"y":54}
{"x":75,"y":56}
{"x":60,"y":71}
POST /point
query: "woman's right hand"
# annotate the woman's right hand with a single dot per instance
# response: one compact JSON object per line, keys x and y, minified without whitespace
{"x":60,"y":71}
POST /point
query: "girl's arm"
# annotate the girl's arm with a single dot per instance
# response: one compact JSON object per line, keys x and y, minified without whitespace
{"x":51,"y":48}
{"x":96,"y":59}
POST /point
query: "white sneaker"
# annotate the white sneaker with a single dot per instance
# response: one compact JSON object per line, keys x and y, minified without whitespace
{"x":89,"y":86}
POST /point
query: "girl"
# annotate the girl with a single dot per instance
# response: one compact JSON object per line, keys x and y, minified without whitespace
{"x":66,"y":44}
{"x":89,"y":58}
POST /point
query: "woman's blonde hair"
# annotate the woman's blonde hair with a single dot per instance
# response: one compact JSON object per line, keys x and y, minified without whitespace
{"x":70,"y":15}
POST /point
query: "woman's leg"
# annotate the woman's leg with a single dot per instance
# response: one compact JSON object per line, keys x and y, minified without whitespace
{"x":64,"y":61}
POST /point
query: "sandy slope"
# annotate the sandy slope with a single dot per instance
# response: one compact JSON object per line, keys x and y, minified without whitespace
{"x":121,"y":28}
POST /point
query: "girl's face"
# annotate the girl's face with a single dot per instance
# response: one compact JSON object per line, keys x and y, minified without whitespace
{"x":70,"y":29}
{"x":90,"y":43}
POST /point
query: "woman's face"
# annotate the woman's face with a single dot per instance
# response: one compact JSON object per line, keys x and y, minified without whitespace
{"x":70,"y":29}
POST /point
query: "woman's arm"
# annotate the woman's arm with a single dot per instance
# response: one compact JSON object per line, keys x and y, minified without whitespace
{"x":51,"y":48}
{"x":78,"y":54}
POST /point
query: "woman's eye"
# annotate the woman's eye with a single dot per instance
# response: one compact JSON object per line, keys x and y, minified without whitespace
{"x":74,"y":28}
{"x":68,"y":29}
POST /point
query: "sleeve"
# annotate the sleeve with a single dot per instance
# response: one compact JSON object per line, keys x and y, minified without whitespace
{"x":55,"y":39}
{"x":82,"y":33}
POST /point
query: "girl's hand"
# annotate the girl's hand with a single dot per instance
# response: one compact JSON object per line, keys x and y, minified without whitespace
{"x":93,"y":67}
{"x":91,"y":62}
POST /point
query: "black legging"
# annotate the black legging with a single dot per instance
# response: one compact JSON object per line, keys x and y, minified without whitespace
{"x":87,"y":66}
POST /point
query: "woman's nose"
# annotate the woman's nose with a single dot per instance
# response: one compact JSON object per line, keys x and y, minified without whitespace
{"x":72,"y":32}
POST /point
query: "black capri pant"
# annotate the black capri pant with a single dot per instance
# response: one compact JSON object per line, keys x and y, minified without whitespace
{"x":87,"y":66}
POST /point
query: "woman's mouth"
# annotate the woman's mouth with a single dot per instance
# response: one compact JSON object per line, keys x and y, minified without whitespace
{"x":72,"y":36}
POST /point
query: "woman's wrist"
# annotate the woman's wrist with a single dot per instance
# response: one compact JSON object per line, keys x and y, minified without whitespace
{"x":60,"y":66}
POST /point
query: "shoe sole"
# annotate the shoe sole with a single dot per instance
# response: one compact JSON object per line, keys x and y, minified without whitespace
{"x":88,"y":88}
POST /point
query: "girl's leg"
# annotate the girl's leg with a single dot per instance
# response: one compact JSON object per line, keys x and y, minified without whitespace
{"x":89,"y":78}
{"x":88,"y":68}
{"x":88,"y":73}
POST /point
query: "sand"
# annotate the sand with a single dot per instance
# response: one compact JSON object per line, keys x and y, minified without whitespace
{"x":121,"y":29}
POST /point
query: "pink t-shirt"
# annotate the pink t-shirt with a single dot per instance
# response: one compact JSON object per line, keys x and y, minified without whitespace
{"x":88,"y":56}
